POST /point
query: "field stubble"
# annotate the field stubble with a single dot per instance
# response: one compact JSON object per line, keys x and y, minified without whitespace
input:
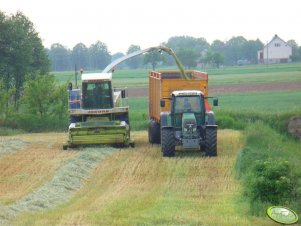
{"x":138,"y":186}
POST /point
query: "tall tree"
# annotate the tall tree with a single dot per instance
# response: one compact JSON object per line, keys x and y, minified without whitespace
{"x":135,"y":62}
{"x":99,"y":55}
{"x":38,"y":94}
{"x":79,"y":56}
{"x":296,"y":50}
{"x":214,"y":58}
{"x":153,"y":58}
{"x":218,"y":46}
{"x":21,"y":52}
{"x":250,"y":49}
{"x":188,"y":57}
{"x":234,"y":50}
{"x":60,"y":57}
{"x":188,"y":46}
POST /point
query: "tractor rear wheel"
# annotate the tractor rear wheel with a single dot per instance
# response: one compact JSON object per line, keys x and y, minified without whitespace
{"x":211,"y":142}
{"x":168,"y":142}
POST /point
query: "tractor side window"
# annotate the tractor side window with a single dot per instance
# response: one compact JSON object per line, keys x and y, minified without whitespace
{"x":105,"y":95}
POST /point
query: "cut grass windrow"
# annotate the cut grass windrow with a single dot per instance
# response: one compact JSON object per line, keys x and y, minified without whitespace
{"x":61,"y":187}
{"x":11,"y":146}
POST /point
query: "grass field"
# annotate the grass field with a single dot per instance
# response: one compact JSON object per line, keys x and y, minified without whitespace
{"x":262,"y":102}
{"x":227,"y":75}
{"x":131,"y":187}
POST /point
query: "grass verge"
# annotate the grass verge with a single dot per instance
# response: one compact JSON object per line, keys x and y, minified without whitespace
{"x":269,"y":167}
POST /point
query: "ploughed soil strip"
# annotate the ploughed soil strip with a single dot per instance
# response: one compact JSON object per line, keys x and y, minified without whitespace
{"x":234,"y":88}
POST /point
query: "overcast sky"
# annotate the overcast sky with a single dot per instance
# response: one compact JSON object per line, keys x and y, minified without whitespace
{"x":120,"y":23}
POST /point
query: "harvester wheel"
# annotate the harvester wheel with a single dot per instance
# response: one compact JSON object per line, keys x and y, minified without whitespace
{"x":168,"y":142}
{"x":65,"y":147}
{"x":211,"y":142}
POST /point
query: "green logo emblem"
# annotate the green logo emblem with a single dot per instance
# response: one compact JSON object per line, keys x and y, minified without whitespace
{"x":282,"y":215}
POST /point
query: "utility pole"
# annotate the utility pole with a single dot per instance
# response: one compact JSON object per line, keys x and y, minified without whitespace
{"x":267,"y":53}
{"x":75,"y":74}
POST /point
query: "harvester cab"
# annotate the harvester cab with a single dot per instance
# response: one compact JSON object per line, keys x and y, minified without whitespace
{"x":97,"y":91}
{"x":98,"y":113}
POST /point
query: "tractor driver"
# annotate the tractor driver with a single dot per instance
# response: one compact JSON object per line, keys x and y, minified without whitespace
{"x":187,"y":105}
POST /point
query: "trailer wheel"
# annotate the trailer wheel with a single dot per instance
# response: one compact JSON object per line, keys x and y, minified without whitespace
{"x":211,"y":142}
{"x":150,"y":134}
{"x":168,"y":142}
{"x":154,"y":132}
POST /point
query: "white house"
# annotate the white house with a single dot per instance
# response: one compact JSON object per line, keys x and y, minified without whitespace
{"x":276,"y":51}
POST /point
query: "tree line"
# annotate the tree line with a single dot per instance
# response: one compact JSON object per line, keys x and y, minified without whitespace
{"x":190,"y":50}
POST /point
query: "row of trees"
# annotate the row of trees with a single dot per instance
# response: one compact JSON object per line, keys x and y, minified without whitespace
{"x":190,"y":50}
{"x":96,"y":56}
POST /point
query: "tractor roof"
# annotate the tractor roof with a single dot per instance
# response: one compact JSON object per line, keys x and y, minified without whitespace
{"x":187,"y":93}
{"x":96,"y":76}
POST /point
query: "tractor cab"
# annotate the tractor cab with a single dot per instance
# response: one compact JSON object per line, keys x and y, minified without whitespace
{"x":187,"y":106}
{"x":187,"y":116}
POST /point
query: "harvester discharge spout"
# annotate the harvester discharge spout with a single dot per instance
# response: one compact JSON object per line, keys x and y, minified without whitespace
{"x":160,"y":48}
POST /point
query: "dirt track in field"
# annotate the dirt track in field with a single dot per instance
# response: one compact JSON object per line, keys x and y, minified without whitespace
{"x":234,"y":88}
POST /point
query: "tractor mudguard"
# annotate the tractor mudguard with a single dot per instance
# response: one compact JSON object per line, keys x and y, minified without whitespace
{"x":165,"y":119}
{"x":210,"y":119}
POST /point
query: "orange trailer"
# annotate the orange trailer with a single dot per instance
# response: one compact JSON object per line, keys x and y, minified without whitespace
{"x":163,"y":83}
{"x":173,"y":124}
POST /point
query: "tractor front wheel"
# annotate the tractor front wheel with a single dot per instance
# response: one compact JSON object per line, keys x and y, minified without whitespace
{"x":167,"y":142}
{"x":211,"y":142}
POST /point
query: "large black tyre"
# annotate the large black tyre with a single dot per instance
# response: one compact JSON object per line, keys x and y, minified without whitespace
{"x":211,"y":142}
{"x":154,"y":135}
{"x":168,"y":142}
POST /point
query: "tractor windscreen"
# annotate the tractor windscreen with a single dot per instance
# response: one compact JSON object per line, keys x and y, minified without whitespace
{"x":188,"y":104}
{"x":97,"y":95}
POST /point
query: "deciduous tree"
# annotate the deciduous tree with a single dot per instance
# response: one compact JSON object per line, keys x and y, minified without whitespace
{"x":153,"y":58}
{"x":135,"y":62}
{"x":99,"y":55}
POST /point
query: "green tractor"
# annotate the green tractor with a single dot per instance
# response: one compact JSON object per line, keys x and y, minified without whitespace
{"x":188,"y":123}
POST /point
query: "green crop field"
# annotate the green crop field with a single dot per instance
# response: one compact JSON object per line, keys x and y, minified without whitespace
{"x":228,"y":75}
{"x":260,"y":102}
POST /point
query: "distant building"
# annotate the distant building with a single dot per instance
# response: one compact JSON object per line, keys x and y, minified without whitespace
{"x":275,"y":52}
